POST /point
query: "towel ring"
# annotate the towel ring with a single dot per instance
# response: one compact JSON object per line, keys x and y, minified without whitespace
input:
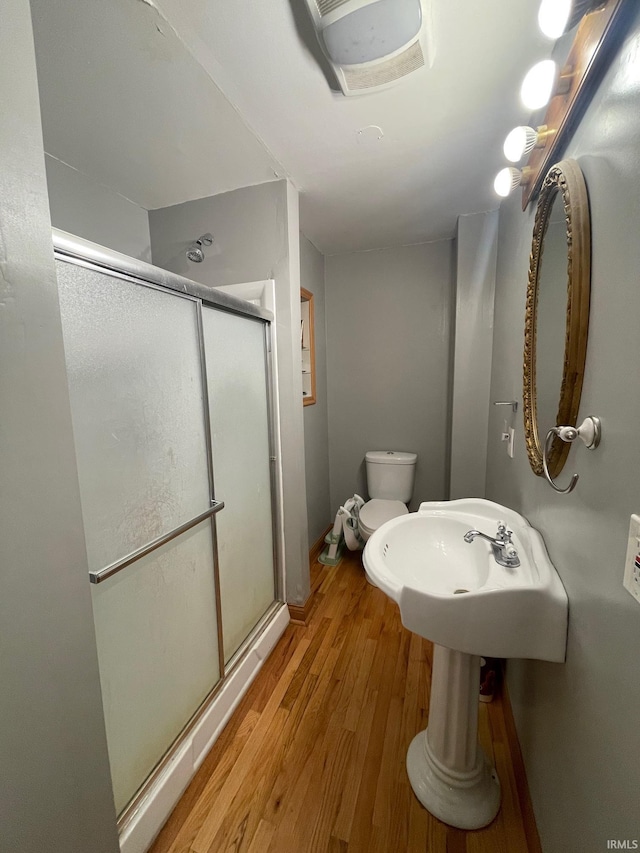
{"x":589,"y":431}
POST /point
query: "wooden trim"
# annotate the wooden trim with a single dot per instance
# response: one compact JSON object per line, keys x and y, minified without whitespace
{"x":300,"y":613}
{"x":318,"y":545}
{"x":520,"y":776}
{"x":307,"y":296}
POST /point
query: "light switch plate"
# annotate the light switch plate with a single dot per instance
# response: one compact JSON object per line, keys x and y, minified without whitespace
{"x":511,"y":441}
{"x":632,"y":564}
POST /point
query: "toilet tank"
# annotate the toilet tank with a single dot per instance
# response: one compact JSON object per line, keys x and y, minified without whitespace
{"x":391,"y":474}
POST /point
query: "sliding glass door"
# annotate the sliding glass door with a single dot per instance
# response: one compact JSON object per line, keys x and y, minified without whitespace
{"x":239,"y":415}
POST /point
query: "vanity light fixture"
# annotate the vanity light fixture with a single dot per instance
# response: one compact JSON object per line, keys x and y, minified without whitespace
{"x":522,"y":140}
{"x":537,"y":86}
{"x":557,"y":17}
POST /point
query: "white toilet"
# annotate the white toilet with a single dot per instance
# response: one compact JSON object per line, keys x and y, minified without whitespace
{"x":390,"y":478}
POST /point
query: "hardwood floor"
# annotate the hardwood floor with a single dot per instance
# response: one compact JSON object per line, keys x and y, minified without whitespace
{"x":313,"y":759}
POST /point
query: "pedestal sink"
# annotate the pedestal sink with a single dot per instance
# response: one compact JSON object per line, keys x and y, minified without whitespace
{"x":456,"y":594}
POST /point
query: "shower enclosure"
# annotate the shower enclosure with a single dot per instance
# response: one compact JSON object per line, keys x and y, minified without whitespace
{"x":171,"y":398}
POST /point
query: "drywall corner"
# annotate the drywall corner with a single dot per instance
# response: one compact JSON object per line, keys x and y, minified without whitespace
{"x":474,"y":307}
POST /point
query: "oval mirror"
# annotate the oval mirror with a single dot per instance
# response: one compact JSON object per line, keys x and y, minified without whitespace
{"x":557,"y":312}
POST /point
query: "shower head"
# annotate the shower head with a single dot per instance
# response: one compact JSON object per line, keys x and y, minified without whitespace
{"x":194,"y":252}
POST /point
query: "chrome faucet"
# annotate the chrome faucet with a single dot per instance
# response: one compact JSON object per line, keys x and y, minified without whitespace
{"x":503,"y":548}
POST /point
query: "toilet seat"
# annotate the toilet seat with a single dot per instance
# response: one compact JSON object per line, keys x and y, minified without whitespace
{"x":376,"y":511}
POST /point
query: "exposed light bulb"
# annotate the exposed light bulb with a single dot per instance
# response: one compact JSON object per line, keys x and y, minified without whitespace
{"x":519,"y":142}
{"x":553,"y":17}
{"x":506,"y":181}
{"x":538,"y":84}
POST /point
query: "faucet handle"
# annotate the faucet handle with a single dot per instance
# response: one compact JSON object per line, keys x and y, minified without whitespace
{"x":504,"y":535}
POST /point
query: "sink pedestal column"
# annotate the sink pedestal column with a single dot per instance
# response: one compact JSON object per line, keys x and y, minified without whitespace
{"x":448,"y":770}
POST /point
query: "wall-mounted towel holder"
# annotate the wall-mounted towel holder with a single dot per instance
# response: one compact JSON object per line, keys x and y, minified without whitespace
{"x":590,"y":431}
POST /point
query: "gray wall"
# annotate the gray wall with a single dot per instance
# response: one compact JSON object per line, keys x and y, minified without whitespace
{"x":476,"y":249}
{"x":388,"y":362}
{"x":256,"y":237}
{"x":55,"y":789}
{"x":578,"y":722}
{"x":88,"y":209}
{"x":316,"y":426}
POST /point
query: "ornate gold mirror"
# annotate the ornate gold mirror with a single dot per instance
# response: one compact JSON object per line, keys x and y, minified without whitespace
{"x":557,"y":312}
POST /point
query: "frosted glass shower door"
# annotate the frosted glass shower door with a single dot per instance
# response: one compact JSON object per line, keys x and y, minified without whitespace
{"x":138,"y":408}
{"x":235,"y":355}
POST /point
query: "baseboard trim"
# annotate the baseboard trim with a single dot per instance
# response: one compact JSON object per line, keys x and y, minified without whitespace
{"x":318,"y":545}
{"x":300,"y":613}
{"x":522,"y":785}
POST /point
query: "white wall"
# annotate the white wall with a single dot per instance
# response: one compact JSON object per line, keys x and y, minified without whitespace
{"x":316,"y":426}
{"x":55,"y":788}
{"x":578,"y":722}
{"x":91,"y":210}
{"x":255,"y":238}
{"x":388,"y":362}
{"x":476,"y":249}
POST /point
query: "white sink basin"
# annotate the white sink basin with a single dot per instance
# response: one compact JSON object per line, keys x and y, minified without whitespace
{"x":455,"y":593}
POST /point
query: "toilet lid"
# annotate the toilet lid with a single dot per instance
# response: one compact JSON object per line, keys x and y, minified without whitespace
{"x":377,"y":511}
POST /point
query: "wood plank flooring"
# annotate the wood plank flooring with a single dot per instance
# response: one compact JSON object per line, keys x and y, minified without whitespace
{"x":313,"y":758}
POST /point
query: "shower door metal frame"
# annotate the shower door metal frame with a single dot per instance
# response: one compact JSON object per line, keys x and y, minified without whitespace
{"x":75,"y":250}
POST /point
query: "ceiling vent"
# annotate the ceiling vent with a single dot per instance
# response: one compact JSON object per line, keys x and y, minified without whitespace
{"x":370,"y":44}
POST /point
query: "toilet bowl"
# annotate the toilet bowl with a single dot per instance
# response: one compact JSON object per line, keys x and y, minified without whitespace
{"x":390,"y":479}
{"x":375,"y":512}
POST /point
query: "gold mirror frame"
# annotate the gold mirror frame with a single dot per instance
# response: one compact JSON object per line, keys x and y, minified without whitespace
{"x":567,"y":179}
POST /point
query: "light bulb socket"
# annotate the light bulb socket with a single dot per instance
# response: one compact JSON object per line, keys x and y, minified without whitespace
{"x":565,"y":81}
{"x":544,"y":135}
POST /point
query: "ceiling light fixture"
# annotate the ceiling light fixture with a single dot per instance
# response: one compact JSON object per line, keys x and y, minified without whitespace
{"x":538,"y":84}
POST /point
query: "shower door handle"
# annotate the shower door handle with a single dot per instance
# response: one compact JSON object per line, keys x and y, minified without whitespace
{"x":114,"y":568}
